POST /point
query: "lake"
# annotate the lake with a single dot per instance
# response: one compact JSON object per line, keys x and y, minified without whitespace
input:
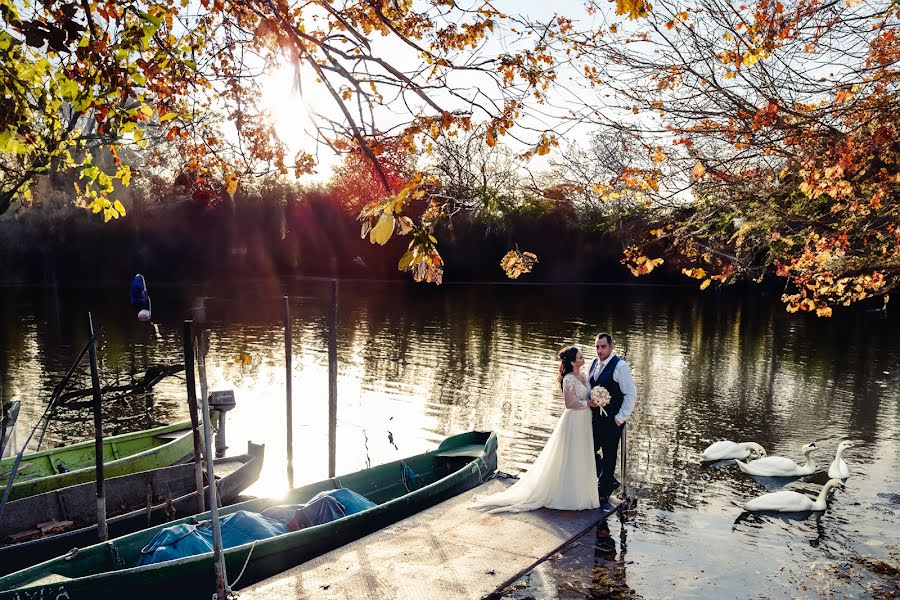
{"x":418,"y":363}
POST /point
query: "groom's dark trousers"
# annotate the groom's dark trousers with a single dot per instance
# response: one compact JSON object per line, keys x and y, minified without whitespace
{"x":606,"y":432}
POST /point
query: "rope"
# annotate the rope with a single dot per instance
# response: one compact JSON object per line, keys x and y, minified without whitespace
{"x":246,"y":562}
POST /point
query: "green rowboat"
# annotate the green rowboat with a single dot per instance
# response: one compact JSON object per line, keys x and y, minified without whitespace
{"x":108,"y":570}
{"x":49,"y":470}
{"x":45,"y":526}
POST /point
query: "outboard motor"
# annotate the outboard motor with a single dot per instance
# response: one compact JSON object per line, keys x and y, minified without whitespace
{"x":221,"y":401}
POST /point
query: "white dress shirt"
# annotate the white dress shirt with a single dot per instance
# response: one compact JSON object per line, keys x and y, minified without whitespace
{"x":622,"y":376}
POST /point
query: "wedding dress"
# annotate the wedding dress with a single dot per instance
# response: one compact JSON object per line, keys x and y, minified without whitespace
{"x":564,"y":476}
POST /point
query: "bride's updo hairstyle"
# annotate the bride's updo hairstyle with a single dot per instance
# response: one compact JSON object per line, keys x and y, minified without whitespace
{"x":567,"y":358}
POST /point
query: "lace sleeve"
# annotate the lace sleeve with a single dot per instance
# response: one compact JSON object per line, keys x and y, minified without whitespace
{"x":573,"y":392}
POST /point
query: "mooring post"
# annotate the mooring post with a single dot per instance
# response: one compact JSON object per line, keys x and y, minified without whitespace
{"x":289,"y":407}
{"x":332,"y":380}
{"x":219,"y":559}
{"x":624,"y":458}
{"x":102,"y":532}
{"x":188,"y":344}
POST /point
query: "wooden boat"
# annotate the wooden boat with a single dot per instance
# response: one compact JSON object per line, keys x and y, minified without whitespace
{"x":108,"y":570}
{"x":47,"y":525}
{"x":50,"y":470}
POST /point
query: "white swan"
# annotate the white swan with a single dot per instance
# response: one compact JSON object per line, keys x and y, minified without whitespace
{"x":779,"y":466}
{"x":838,"y":468}
{"x":786,"y":501}
{"x":725,"y":449}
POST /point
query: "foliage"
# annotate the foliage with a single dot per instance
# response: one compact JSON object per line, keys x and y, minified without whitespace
{"x":515,"y":263}
{"x":355,"y":183}
{"x":182,"y":76}
{"x":781,"y":118}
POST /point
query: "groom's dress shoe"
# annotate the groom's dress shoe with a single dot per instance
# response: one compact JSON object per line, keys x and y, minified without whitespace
{"x":606,"y":505}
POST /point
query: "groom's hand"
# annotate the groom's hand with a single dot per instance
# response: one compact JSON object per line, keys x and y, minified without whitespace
{"x":619,"y":422}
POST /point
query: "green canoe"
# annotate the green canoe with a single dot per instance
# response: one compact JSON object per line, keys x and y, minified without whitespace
{"x":108,"y":570}
{"x":50,"y":470}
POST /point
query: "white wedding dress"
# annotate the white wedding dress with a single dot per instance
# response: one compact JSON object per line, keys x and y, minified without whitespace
{"x":564,"y":476}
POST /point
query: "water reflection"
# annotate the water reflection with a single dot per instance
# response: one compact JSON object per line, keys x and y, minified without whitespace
{"x":420,"y":363}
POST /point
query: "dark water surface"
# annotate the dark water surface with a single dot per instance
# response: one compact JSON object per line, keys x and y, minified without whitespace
{"x":422,"y":363}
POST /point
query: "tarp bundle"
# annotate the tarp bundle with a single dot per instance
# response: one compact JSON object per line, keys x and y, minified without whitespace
{"x":241,"y":527}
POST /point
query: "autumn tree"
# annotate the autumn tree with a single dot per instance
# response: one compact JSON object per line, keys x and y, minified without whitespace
{"x":355,"y":182}
{"x":778,"y":121}
{"x":113,"y":74}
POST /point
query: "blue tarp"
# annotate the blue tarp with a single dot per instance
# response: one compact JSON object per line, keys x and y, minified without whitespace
{"x":241,"y":527}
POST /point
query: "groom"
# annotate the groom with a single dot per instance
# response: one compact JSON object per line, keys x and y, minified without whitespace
{"x":613,"y":373}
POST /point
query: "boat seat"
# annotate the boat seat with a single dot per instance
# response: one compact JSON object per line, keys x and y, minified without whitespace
{"x":48,"y":579}
{"x":470,"y":450}
{"x":171,"y":435}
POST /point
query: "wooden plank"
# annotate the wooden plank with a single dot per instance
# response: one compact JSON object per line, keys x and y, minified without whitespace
{"x":54,"y":525}
{"x":446,"y":552}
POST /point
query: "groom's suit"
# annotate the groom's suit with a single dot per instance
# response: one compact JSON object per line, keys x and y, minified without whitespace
{"x":606,"y":432}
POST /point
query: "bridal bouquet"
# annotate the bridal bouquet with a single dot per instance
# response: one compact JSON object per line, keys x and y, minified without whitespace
{"x":600,"y":396}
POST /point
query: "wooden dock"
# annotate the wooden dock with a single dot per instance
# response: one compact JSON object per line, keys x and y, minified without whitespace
{"x":446,"y":552}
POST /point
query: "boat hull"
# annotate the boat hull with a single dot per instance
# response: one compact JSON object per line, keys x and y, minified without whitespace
{"x":171,"y":493}
{"x":40,"y":472}
{"x":194,"y":576}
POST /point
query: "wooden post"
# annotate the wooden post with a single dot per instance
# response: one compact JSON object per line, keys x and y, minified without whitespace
{"x":624,"y":462}
{"x":289,"y":410}
{"x":188,"y":344}
{"x":102,"y":532}
{"x":218,"y":557}
{"x":332,"y":380}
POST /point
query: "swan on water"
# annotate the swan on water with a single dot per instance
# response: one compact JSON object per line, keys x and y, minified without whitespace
{"x":779,"y":466}
{"x":726,"y":449}
{"x":787,"y":501}
{"x":838,"y":468}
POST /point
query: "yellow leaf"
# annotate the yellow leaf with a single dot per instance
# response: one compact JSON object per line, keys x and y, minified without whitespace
{"x":383,"y":230}
{"x":699,"y":170}
{"x":705,"y":284}
{"x":117,"y":206}
{"x":231,"y":184}
{"x":406,"y":260}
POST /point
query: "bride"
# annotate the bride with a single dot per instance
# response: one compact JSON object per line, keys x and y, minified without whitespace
{"x":564,"y":476}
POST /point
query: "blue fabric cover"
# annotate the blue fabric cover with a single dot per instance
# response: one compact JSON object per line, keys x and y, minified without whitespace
{"x":139,"y":295}
{"x":350,"y":500}
{"x":241,"y":527}
{"x":181,"y":541}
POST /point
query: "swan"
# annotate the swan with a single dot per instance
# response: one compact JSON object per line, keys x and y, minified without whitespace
{"x":786,"y":501}
{"x":725,"y":449}
{"x":838,"y":468}
{"x":779,"y":466}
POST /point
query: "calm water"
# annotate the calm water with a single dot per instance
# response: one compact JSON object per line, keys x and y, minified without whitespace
{"x":420,"y":363}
